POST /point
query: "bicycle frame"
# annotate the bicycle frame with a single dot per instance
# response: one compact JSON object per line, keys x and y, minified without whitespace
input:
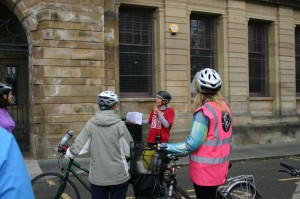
{"x":69,"y":170}
{"x":166,"y":177}
{"x":170,"y":177}
{"x":172,"y":183}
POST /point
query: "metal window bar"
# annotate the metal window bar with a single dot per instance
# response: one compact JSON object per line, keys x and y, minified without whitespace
{"x":135,"y":52}
{"x":297,"y":59}
{"x":14,"y":70}
{"x":19,"y":111}
{"x":257,"y":41}
{"x":202,"y":46}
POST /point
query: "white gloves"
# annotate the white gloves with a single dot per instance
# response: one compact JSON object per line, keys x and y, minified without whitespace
{"x":69,"y":154}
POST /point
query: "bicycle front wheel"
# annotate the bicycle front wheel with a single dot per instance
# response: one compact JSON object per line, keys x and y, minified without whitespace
{"x":46,"y":186}
{"x":243,"y":190}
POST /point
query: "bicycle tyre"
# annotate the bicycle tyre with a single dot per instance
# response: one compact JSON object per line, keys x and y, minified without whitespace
{"x":243,"y":190}
{"x":46,"y":185}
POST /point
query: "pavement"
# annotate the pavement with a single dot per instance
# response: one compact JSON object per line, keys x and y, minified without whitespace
{"x":239,"y":153}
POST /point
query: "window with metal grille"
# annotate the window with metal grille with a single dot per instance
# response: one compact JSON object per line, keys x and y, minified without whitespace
{"x":135,"y":52}
{"x":297,"y":61}
{"x":202,"y":47}
{"x":258,"y":58}
{"x":11,"y":78}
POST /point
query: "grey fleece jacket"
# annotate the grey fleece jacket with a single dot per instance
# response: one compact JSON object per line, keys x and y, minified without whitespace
{"x":110,"y":141}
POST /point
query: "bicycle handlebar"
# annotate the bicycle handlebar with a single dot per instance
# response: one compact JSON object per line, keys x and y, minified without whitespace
{"x":181,"y":155}
{"x":61,"y":148}
{"x":63,"y":145}
{"x":286,"y":165}
{"x":292,"y":170}
{"x":163,"y":148}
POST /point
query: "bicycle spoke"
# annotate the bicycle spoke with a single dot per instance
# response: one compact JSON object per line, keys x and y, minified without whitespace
{"x":242,"y":191}
{"x":46,"y":186}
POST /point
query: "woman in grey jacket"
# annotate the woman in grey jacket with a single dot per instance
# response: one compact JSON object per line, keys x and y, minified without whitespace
{"x":109,"y":144}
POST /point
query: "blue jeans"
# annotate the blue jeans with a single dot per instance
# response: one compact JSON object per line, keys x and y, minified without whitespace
{"x":113,"y":192}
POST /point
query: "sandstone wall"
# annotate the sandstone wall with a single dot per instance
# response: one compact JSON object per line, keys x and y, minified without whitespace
{"x":73,"y":55}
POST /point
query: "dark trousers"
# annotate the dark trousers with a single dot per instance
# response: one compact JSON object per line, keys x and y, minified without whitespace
{"x":205,"y":192}
{"x":109,"y":192}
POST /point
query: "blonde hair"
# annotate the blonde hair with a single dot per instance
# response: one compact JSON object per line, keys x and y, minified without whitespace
{"x":201,"y":98}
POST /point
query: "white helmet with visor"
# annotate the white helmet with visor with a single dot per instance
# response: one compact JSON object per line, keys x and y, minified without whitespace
{"x":107,"y":98}
{"x":208,"y":81}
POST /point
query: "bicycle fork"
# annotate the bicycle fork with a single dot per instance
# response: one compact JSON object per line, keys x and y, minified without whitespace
{"x":171,"y":182}
{"x":64,"y":180}
{"x":170,"y":191}
{"x":61,"y":190}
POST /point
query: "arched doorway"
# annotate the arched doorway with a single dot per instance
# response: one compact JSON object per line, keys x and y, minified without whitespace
{"x":14,"y":70}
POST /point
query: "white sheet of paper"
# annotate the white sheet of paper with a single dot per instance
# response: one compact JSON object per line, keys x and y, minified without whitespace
{"x":135,"y":117}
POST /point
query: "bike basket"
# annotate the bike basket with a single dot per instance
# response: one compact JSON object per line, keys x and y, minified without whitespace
{"x":144,"y":160}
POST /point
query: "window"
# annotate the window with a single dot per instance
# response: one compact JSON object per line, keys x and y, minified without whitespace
{"x":258,"y":58}
{"x":297,"y":61}
{"x":11,"y":77}
{"x":203,"y":44}
{"x":135,"y":52}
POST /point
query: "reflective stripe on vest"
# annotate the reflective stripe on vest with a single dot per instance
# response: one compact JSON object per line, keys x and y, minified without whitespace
{"x":210,"y":160}
{"x":216,"y":141}
{"x":212,"y":143}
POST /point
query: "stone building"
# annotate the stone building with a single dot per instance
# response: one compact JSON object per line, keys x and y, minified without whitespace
{"x":59,"y":54}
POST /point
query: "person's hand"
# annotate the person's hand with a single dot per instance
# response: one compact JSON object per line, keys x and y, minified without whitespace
{"x":69,"y":154}
{"x":132,"y":122}
{"x":162,"y":146}
{"x":157,"y":110}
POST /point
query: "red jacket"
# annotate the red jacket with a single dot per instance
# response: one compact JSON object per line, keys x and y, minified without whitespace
{"x":157,"y":129}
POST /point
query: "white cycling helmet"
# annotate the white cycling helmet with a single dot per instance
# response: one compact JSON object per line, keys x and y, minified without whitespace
{"x":208,"y":81}
{"x":108,"y":98}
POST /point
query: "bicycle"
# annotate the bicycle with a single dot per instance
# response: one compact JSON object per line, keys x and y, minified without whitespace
{"x":58,"y":185}
{"x":165,"y":184}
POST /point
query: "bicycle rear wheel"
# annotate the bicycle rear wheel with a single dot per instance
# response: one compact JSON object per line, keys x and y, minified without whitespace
{"x":243,"y":190}
{"x":46,"y":185}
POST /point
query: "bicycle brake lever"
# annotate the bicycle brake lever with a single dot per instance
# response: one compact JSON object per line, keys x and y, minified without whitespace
{"x":295,"y":172}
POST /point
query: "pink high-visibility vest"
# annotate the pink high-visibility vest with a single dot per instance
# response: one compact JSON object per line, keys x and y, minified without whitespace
{"x":209,"y":163}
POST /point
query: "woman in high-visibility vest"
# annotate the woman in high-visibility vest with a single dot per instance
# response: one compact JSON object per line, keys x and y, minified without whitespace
{"x":209,"y":141}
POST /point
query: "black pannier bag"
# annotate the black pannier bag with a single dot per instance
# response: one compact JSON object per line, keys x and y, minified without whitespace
{"x":145,"y":169}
